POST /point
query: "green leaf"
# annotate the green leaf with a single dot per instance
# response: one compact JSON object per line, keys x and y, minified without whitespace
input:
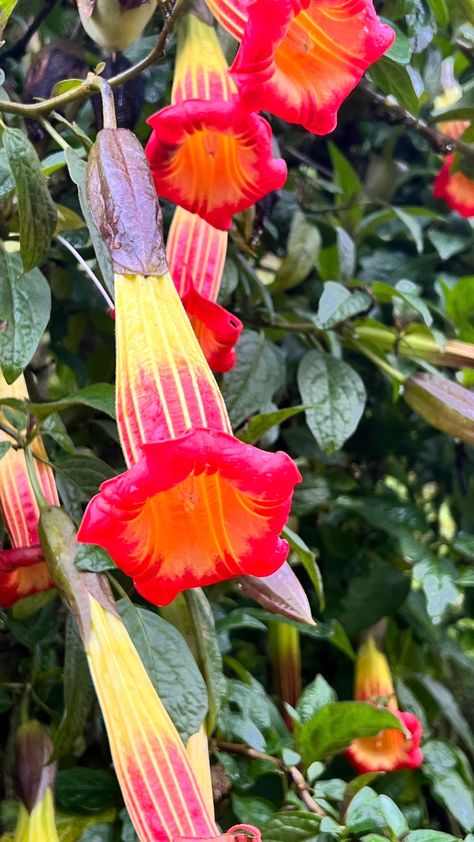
{"x":86,"y":790}
{"x":170,"y":666}
{"x":101,"y":832}
{"x":93,"y":559}
{"x":7,"y":182}
{"x":255,"y":378}
{"x":437,"y":576}
{"x":394,"y":817}
{"x":337,"y":395}
{"x":257,"y":426}
{"x":393,"y":78}
{"x":338,"y":304}
{"x":207,"y":651}
{"x":450,"y":709}
{"x":295,"y":826}
{"x":445,"y":767}
{"x":25,"y":309}
{"x":4,"y":448}
{"x":78,"y":171}
{"x":308,"y":559}
{"x":364,"y":813}
{"x":335,"y":725}
{"x":6,"y":8}
{"x":54,"y":427}
{"x":250,"y":809}
{"x":315,"y":696}
{"x":77,"y":690}
{"x":36,"y":208}
{"x":429,"y":836}
{"x":400,"y":50}
{"x":99,"y":396}
{"x":304,"y":242}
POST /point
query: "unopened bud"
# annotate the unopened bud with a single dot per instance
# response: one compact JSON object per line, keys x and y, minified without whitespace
{"x":445,"y":405}
{"x":115,"y":24}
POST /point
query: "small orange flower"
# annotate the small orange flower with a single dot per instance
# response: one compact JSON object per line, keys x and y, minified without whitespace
{"x":391,"y":749}
{"x":22,"y":572}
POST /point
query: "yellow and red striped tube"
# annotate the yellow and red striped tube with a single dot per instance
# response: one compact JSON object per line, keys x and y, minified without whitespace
{"x":20,"y":511}
{"x":391,"y":749}
{"x":161,"y":794}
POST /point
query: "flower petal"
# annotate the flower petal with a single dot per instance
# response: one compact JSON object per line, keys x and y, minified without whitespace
{"x":300,"y":59}
{"x":161,"y":794}
{"x":194,"y":511}
{"x":196,"y":253}
{"x":19,"y":508}
{"x":217,"y":330}
{"x":373,"y":680}
{"x":213,"y":158}
{"x":455,"y":188}
{"x":231,"y":14}
{"x":390,"y":750}
{"x":164,"y":384}
{"x":201,"y":68}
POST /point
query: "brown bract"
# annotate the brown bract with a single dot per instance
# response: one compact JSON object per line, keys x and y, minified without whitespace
{"x":35,"y":773}
{"x":123,"y":202}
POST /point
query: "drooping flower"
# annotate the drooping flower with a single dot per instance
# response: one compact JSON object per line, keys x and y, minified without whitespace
{"x":456,"y":188}
{"x":196,"y":255}
{"x":391,"y":749}
{"x":196,"y":505}
{"x":36,"y":776}
{"x":208,"y":153}
{"x":300,"y":59}
{"x":22,"y":572}
{"x":162,"y":795}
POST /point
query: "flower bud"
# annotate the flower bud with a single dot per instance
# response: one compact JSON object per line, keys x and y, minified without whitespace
{"x":115,"y":24}
{"x":445,"y":405}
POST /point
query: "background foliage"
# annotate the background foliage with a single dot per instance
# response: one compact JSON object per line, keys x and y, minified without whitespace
{"x":386,"y":504}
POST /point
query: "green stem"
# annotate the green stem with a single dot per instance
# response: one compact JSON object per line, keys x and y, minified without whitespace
{"x":54,"y":134}
{"x":108,"y":103}
{"x":34,"y":479}
{"x":380,"y":362}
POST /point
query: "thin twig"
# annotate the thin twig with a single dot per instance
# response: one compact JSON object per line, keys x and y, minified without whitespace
{"x":87,"y":269}
{"x":36,"y":109}
{"x":439,"y":142}
{"x":302,"y":787}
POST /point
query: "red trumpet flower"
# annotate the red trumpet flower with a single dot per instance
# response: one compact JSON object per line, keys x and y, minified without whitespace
{"x":198,"y":506}
{"x":207,"y":152}
{"x":391,"y":749}
{"x":300,"y":59}
{"x":22,"y":571}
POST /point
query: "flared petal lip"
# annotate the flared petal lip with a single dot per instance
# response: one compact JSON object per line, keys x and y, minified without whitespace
{"x":265,"y":479}
{"x":173,"y":125}
{"x":411,"y":759}
{"x":222,"y":327}
{"x":267,"y":27}
{"x":444,"y":187}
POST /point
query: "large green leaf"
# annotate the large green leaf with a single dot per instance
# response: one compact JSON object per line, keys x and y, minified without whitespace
{"x":337,"y":397}
{"x":334,"y":726}
{"x":170,"y":665}
{"x":255,"y":378}
{"x":25,"y":304}
{"x":36,"y":208}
